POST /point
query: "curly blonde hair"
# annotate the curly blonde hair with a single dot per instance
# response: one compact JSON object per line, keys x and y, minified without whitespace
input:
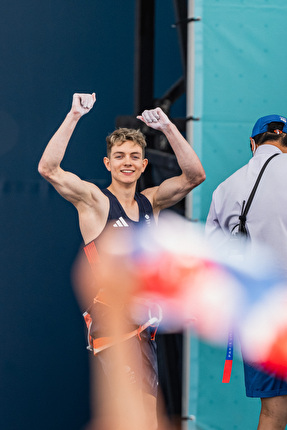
{"x":121,"y":135}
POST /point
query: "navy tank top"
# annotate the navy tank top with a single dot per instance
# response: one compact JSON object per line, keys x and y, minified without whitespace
{"x":120,"y":218}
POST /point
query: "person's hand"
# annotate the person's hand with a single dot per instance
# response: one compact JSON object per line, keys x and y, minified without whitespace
{"x":154,"y":118}
{"x":82,"y":103}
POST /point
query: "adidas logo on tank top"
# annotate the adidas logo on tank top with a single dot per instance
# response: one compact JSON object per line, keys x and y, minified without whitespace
{"x":122,"y":223}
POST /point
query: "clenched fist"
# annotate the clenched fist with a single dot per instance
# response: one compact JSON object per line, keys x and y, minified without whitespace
{"x":82,"y":103}
{"x":154,"y":118}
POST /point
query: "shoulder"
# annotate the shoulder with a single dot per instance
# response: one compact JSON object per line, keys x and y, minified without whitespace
{"x":94,"y":189}
{"x":280,"y":161}
{"x":149,"y":195}
{"x":142,"y":195}
{"x":145,"y":201}
{"x":95,"y":198}
{"x":233,"y":179}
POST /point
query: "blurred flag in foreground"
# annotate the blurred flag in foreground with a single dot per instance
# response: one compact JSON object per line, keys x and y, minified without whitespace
{"x":198,"y":284}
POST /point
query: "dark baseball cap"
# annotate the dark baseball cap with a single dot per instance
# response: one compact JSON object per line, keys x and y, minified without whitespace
{"x":261,"y":125}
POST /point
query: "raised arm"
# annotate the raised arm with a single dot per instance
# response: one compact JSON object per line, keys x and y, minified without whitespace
{"x":67,"y":184}
{"x":172,"y":190}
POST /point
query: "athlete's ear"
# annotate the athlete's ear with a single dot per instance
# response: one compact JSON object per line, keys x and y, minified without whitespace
{"x":107,"y":163}
{"x":145,"y":163}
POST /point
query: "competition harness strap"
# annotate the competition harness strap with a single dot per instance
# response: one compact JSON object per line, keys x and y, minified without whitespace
{"x":102,"y":343}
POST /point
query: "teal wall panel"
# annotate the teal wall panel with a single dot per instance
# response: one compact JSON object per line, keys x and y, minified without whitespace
{"x":240,"y":65}
{"x":218,"y":406}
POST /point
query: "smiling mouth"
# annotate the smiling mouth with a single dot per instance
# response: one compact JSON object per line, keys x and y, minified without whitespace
{"x":127,"y":171}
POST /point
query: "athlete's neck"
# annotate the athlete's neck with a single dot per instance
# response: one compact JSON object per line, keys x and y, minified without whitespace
{"x":126,"y":197}
{"x":123,"y":193}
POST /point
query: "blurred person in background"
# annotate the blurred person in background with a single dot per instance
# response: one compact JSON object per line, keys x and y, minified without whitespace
{"x":266,"y":223}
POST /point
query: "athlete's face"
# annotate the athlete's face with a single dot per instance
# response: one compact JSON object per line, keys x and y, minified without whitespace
{"x":126,"y":162}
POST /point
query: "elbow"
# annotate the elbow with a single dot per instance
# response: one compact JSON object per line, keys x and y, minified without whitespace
{"x":44,"y":170}
{"x":189,"y":183}
{"x":195,"y":176}
{"x":198,"y":179}
{"x":202,"y":177}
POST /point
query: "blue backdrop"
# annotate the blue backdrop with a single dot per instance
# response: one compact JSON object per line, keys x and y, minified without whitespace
{"x":49,"y":50}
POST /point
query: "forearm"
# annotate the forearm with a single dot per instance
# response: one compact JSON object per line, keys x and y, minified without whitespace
{"x":56,"y":148}
{"x":187,"y":159}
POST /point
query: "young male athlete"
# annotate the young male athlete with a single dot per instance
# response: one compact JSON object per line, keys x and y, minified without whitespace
{"x":120,"y":203}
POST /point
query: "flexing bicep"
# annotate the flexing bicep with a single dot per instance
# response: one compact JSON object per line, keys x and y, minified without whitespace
{"x":70,"y":186}
{"x":168,"y":193}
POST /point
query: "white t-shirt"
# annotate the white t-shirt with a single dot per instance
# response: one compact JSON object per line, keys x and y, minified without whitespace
{"x":267,"y":216}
